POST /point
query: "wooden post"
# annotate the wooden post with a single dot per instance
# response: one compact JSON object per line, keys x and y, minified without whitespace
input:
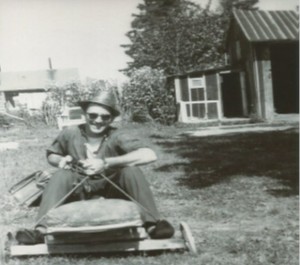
{"x":266,"y":84}
{"x":177,"y":90}
{"x":268,"y":90}
{"x":244,"y":96}
{"x":220,"y":104}
{"x":178,"y":98}
{"x":257,"y":85}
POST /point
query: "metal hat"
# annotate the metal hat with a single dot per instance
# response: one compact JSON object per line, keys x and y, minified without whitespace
{"x":106,"y":99}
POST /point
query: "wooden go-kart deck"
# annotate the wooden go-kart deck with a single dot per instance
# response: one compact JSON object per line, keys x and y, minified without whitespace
{"x":130,"y":240}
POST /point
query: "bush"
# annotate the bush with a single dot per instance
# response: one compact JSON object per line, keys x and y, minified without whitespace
{"x":4,"y":120}
{"x":31,"y":119}
{"x":146,"y":95}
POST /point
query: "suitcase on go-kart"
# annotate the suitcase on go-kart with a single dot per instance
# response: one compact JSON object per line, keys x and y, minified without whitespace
{"x":28,"y":190}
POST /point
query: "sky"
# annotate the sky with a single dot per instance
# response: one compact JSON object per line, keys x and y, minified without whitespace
{"x":83,"y":34}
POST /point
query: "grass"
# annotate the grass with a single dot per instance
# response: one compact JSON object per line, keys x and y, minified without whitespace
{"x":238,"y":193}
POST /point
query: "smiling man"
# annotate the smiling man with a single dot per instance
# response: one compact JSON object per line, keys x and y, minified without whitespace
{"x":100,"y":148}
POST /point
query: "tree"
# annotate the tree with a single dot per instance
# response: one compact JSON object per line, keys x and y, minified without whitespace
{"x":226,"y":7}
{"x":173,"y":35}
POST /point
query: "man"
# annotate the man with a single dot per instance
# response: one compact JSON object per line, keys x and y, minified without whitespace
{"x":100,"y":148}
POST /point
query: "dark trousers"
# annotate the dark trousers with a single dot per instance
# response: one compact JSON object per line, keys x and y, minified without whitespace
{"x":129,"y":179}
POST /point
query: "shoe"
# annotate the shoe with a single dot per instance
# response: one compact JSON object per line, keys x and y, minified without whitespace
{"x":29,"y":237}
{"x":161,"y":230}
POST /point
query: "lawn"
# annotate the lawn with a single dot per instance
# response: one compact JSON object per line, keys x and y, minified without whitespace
{"x":238,"y":193}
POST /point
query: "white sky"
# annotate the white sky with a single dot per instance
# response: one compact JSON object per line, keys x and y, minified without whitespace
{"x":85,"y":34}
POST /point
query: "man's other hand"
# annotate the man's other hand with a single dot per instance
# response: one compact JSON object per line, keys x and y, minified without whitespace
{"x":92,"y":166}
{"x":65,"y":162}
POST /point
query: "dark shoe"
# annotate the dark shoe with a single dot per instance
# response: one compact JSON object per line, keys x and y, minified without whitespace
{"x":162,"y":229}
{"x":29,"y":237}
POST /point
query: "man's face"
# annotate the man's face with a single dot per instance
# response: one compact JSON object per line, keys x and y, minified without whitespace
{"x":97,"y":118}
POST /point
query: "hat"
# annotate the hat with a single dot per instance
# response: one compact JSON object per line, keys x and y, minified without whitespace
{"x":106,"y":99}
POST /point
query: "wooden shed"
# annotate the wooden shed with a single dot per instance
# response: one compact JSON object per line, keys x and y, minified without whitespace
{"x":264,"y":46}
{"x":262,"y":78}
{"x":199,"y":95}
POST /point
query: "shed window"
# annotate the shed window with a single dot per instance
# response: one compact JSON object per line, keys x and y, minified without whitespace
{"x":199,"y":103}
{"x":197,"y":94}
{"x":196,"y":82}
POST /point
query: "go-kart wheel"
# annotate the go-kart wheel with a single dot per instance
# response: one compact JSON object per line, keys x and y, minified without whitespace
{"x":188,"y":237}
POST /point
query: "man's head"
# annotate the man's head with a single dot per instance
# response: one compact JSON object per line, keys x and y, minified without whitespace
{"x":99,"y":111}
{"x":97,"y":118}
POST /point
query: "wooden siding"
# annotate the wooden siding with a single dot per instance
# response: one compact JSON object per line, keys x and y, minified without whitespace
{"x":184,"y":88}
{"x":212,"y":111}
{"x":212,"y":86}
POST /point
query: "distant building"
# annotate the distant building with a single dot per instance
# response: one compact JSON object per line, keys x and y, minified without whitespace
{"x":262,"y":78}
{"x":29,"y":88}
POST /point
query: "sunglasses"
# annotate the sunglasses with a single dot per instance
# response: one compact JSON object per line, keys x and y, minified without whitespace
{"x":94,"y":116}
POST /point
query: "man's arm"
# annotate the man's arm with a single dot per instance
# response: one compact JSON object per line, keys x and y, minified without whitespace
{"x":137,"y":157}
{"x":59,"y":160}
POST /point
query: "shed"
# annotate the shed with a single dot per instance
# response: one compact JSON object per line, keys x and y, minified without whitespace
{"x":29,"y":87}
{"x":261,"y":79}
{"x":199,"y":95}
{"x":264,"y":47}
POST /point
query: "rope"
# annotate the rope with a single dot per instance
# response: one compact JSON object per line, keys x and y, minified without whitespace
{"x":64,"y":198}
{"x":128,"y":196}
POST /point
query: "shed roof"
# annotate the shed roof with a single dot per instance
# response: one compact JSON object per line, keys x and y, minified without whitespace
{"x":35,"y":80}
{"x":266,"y":26}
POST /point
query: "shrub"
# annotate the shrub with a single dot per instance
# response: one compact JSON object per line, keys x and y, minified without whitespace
{"x":146,"y":95}
{"x":31,"y":119}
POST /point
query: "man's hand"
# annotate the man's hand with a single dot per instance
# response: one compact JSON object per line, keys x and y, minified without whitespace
{"x":92,"y":166}
{"x":65,"y":162}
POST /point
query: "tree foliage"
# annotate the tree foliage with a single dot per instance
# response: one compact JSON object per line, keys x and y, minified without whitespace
{"x":145,"y":98}
{"x":178,"y":35}
{"x":173,"y":35}
{"x":226,"y":7}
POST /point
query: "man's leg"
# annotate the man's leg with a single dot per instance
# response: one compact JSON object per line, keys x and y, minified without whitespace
{"x":133,"y":182}
{"x":59,"y":185}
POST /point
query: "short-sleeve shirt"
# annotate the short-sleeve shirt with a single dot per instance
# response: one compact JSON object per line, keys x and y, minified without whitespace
{"x":71,"y":141}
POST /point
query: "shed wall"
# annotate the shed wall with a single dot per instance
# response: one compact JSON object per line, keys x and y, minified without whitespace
{"x":184,"y":88}
{"x":246,"y":63}
{"x":198,"y":102}
{"x":212,"y":86}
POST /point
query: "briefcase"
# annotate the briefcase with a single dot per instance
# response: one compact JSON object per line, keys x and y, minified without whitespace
{"x":28,"y":191}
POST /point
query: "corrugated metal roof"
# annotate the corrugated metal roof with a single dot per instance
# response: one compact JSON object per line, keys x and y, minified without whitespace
{"x":35,"y":80}
{"x":260,"y":26}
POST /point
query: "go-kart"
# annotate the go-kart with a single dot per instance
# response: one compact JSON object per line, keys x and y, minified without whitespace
{"x":117,"y":237}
